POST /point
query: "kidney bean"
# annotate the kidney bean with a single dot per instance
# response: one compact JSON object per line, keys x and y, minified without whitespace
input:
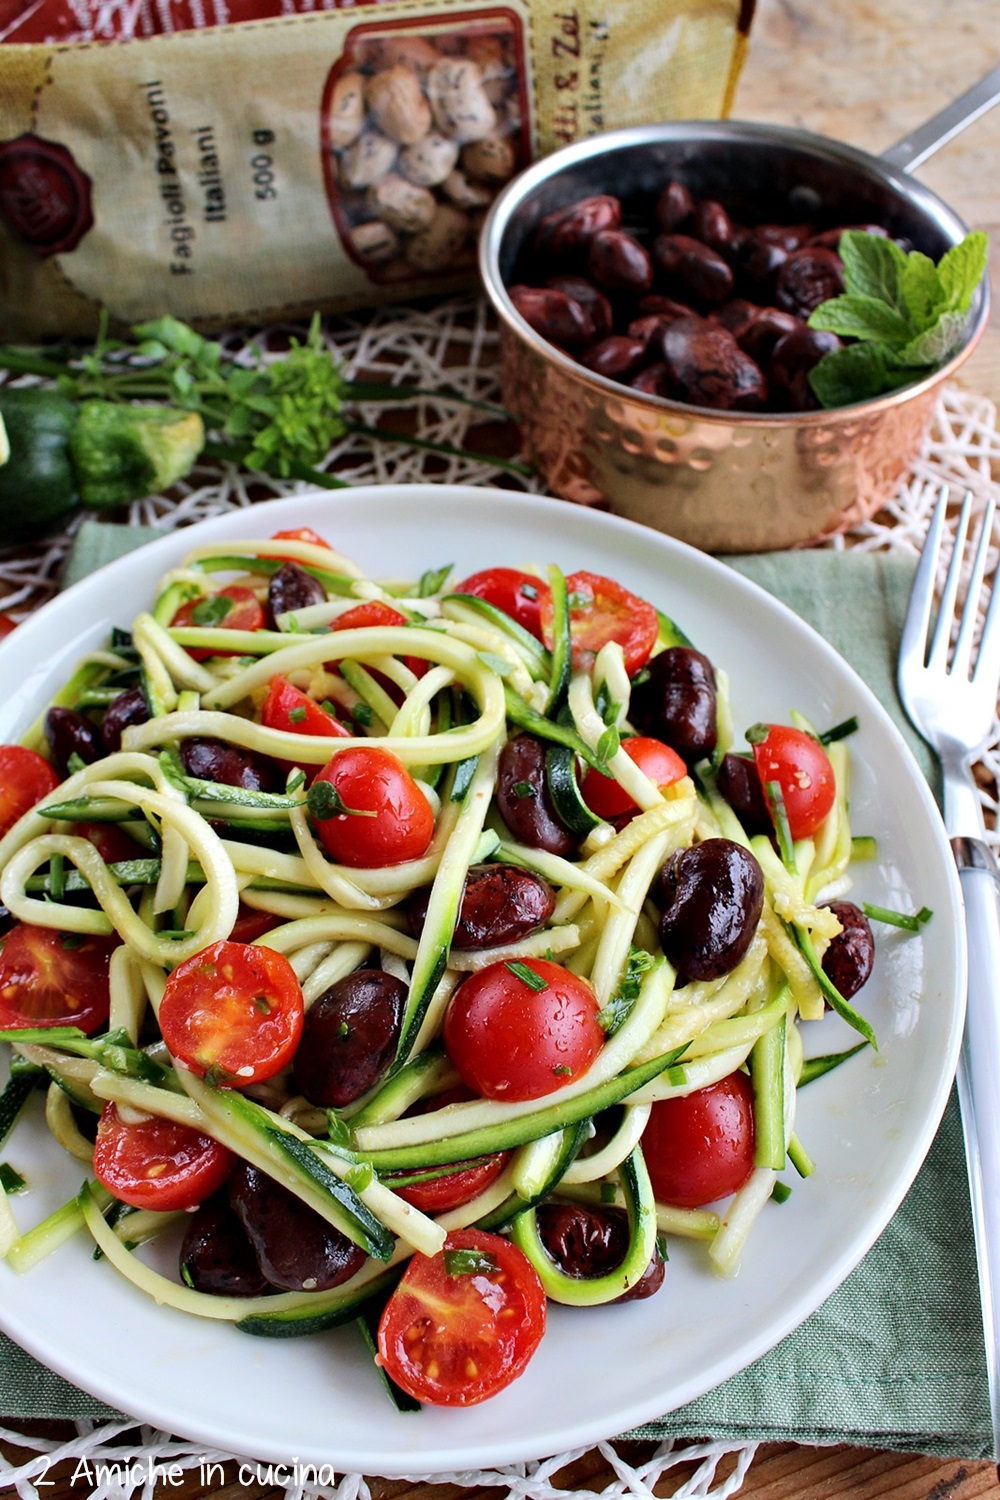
{"x":349,"y":1037}
{"x":130,"y":707}
{"x":500,"y":904}
{"x":708,"y":367}
{"x":850,"y":956}
{"x":676,"y":702}
{"x":756,"y":262}
{"x":654,"y":380}
{"x":67,"y":734}
{"x":829,"y":239}
{"x":808,"y":277}
{"x":566,"y":233}
{"x":616,"y":357}
{"x":674,"y":207}
{"x":695,"y":268}
{"x":558,"y":318}
{"x":770,"y":325}
{"x":216,"y":1256}
{"x":786,"y":236}
{"x":739,"y":784}
{"x":618,"y":263}
{"x":292,"y":588}
{"x":668,"y":307}
{"x":590,"y":299}
{"x":712,"y":896}
{"x":649,"y":327}
{"x":737,"y":315}
{"x":712,"y":225}
{"x":523,"y":797}
{"x":214,"y":760}
{"x":588,"y":1242}
{"x":295,"y":1248}
{"x":792,"y":357}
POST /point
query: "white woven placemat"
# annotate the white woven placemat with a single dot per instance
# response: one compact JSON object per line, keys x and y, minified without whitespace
{"x":451,"y":345}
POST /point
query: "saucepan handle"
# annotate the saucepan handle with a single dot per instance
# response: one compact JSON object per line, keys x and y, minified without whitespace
{"x":921,"y":143}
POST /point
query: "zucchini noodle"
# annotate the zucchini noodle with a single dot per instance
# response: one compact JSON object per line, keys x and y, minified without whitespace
{"x":448,"y":697}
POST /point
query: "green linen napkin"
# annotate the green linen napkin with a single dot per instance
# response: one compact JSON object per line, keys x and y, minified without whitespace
{"x":871,"y":1367}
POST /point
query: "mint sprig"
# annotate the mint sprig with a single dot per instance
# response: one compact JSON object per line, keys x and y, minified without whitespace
{"x":905,"y":316}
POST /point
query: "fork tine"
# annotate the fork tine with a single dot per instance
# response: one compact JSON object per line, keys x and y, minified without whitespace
{"x":913,"y":643}
{"x":970,"y":613}
{"x":940,"y":646}
{"x":988,"y":662}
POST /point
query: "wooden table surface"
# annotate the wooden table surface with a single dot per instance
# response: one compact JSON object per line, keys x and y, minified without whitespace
{"x":866,"y":72}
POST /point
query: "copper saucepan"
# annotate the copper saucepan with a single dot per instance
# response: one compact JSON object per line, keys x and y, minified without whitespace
{"x":724,"y":481}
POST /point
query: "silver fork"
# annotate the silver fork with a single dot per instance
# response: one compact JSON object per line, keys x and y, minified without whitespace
{"x":950,"y":695}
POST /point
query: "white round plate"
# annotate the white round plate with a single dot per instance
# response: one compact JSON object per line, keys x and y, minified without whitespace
{"x":599,"y":1371}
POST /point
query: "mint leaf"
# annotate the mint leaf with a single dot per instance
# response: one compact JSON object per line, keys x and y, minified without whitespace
{"x":938,"y":342}
{"x":961,"y":270}
{"x":872,"y":266}
{"x":855,"y":316}
{"x":855,"y":373}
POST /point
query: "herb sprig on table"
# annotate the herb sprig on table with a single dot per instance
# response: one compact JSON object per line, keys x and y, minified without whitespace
{"x":905,"y":315}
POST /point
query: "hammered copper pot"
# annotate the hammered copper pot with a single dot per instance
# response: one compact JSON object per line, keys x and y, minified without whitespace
{"x":721,"y":481}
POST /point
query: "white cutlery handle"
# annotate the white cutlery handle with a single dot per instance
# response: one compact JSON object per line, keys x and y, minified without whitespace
{"x":979,"y":1085}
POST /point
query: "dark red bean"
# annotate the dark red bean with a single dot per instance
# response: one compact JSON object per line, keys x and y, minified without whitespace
{"x":756,"y":262}
{"x":349,"y":1038}
{"x":676,"y":702}
{"x":292,"y":588}
{"x":216,"y":1256}
{"x":500,"y":904}
{"x":618,"y":263}
{"x":674,"y":207}
{"x":694,"y":268}
{"x":616,"y":357}
{"x":712,"y":225}
{"x":770,"y":325}
{"x":649,"y":327}
{"x":558,"y":318}
{"x":829,"y":239}
{"x":130,"y":707}
{"x":669,"y":307}
{"x":786,"y":236}
{"x":590,"y":298}
{"x":523,"y":797}
{"x":708,"y":367}
{"x":654,"y":380}
{"x":68,"y":734}
{"x":740,"y":785}
{"x":587,"y":1242}
{"x":850,"y":956}
{"x":737,"y":315}
{"x":792,"y":357}
{"x":215,"y":760}
{"x":566,"y":233}
{"x":712,"y":896}
{"x":808,"y":277}
{"x":295,"y":1248}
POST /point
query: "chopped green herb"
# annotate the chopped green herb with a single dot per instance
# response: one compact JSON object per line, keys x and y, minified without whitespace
{"x":296,"y":715}
{"x":433,"y":581}
{"x":523,"y":789}
{"x":211,"y":610}
{"x":608,"y":1193}
{"x":611,"y":1015}
{"x":360,"y":1177}
{"x":527,"y":976}
{"x":75,"y":763}
{"x":579,"y":601}
{"x":176,"y":934}
{"x":840,"y":731}
{"x":470,"y":1262}
{"x":11,"y":1180}
{"x":911,"y":923}
{"x":68,"y":941}
{"x":781,"y":1192}
{"x":262,"y":1004}
{"x":343,"y":1030}
{"x":609,"y":743}
{"x":562,"y":1071}
{"x":295,"y":781}
{"x":362,"y":714}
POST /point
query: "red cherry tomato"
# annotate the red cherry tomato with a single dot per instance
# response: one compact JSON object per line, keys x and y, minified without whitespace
{"x":294,"y":712}
{"x":601,"y":610}
{"x":700,"y":1146}
{"x":451,"y":1189}
{"x":662,"y":765}
{"x":245,"y":613}
{"x":301,"y":534}
{"x":111,"y":842}
{"x":50,"y":978}
{"x":233,"y":1011}
{"x":155,"y":1163}
{"x":7,"y":625}
{"x":511,"y":1038}
{"x":251,"y":924}
{"x":25,"y":778}
{"x":801,"y":767}
{"x":462,"y":1324}
{"x":518,"y":594}
{"x":372,"y":780}
{"x":377,"y":612}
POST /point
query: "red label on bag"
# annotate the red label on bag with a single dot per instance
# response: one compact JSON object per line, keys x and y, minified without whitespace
{"x":44,"y":196}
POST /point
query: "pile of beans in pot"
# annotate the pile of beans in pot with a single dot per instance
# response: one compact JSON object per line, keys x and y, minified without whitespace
{"x":689,"y":305}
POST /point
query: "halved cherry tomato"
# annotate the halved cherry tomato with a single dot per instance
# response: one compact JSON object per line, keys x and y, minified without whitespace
{"x":452,"y":1188}
{"x":7,"y":626}
{"x":156,"y":1163}
{"x":377,"y":612}
{"x":245,"y":613}
{"x":251,"y":924}
{"x":700,"y":1146}
{"x":111,"y":842}
{"x":511,"y":1037}
{"x":286,"y":708}
{"x":518,"y":594}
{"x":233,"y":1011}
{"x":601,"y":610}
{"x":50,"y":978}
{"x":25,"y":778}
{"x":370,"y":780}
{"x":802,"y":769}
{"x":462,"y":1324}
{"x":301,"y":534}
{"x":662,"y":765}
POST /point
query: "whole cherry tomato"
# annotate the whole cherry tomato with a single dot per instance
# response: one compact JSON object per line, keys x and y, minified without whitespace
{"x":662,"y":765}
{"x":156,"y":1163}
{"x":801,"y":768}
{"x":388,"y":820}
{"x":518,"y":594}
{"x":50,"y":978}
{"x":601,"y":610}
{"x":700,"y":1146}
{"x":25,"y":778}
